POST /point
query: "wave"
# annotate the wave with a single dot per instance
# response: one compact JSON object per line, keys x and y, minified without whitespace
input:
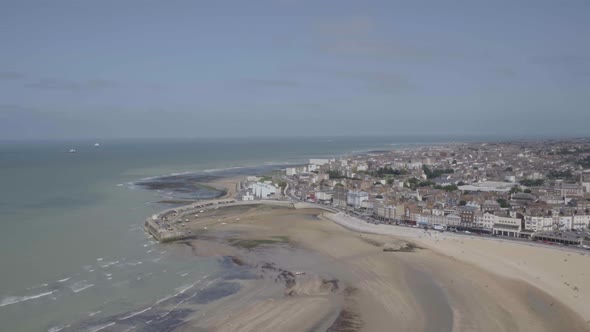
{"x":57,"y":328}
{"x":16,"y":299}
{"x":109,"y":264}
{"x":164,"y":299}
{"x":100,"y":327}
{"x":130,"y":264}
{"x":135,"y":313}
{"x":213,"y":170}
{"x":80,"y":286}
{"x":182,"y":289}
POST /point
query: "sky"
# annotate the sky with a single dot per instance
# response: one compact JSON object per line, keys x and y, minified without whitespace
{"x":145,"y":68}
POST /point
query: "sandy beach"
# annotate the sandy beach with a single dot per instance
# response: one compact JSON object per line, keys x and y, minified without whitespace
{"x":226,"y":184}
{"x":314,"y":274}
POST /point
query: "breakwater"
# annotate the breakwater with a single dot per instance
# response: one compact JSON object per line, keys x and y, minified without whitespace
{"x":163,"y":226}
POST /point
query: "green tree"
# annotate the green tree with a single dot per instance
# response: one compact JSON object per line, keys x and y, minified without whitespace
{"x":503,"y":203}
{"x":334,"y":174}
{"x":532,"y":183}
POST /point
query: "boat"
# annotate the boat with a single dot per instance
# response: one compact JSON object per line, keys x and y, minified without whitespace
{"x":96,"y":145}
{"x":72,"y":151}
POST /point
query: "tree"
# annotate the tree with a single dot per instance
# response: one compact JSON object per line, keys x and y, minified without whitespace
{"x":335,"y":174}
{"x":437,"y":172}
{"x":527,"y":191}
{"x":566,"y":175}
{"x":451,"y":187}
{"x":462,"y":203}
{"x":382,"y":171}
{"x":503,"y":203}
{"x":532,"y":183}
{"x":515,"y":189}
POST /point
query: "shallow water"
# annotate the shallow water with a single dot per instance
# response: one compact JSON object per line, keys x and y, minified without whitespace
{"x":72,"y":246}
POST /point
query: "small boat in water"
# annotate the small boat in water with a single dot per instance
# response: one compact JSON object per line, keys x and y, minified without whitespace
{"x":96,"y":145}
{"x":72,"y":151}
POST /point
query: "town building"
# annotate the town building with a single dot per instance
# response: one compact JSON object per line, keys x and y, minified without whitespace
{"x":339,"y":198}
{"x":507,"y":226}
{"x":356,"y":198}
{"x":262,"y":190}
{"x":323,"y":196}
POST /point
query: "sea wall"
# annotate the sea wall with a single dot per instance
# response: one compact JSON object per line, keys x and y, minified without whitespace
{"x":162,"y":226}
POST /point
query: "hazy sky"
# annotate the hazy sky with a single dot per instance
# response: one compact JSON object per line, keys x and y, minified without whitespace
{"x":131,"y":68}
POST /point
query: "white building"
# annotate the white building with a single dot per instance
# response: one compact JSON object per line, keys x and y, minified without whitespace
{"x":438,"y":219}
{"x":322,"y":196}
{"x":414,"y":165}
{"x":492,"y":186}
{"x":262,"y":190}
{"x":356,"y":198}
{"x":362,"y":167}
{"x":320,"y":162}
{"x":507,"y":226}
{"x":574,"y":222}
{"x":486,"y":220}
{"x":581,"y":221}
{"x":248,"y":197}
{"x":291,"y":171}
{"x":538,"y":224}
{"x":385,"y":211}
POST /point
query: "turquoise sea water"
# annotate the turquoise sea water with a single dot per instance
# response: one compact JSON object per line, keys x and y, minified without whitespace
{"x":72,"y":245}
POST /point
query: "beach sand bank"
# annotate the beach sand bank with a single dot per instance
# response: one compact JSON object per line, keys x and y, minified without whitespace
{"x":313,"y":274}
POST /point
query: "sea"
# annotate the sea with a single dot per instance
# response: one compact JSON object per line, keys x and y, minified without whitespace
{"x":73,"y":252}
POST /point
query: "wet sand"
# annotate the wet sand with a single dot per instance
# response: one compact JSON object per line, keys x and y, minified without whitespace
{"x":312,"y":274}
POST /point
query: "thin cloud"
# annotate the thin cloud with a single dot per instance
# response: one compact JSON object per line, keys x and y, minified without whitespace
{"x":373,"y":81}
{"x":10,"y":75}
{"x":67,"y":85}
{"x":560,"y":59}
{"x":379,"y":81}
{"x":271,"y":83}
{"x":376,"y":49}
{"x":506,"y":72}
{"x":345,"y":28}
